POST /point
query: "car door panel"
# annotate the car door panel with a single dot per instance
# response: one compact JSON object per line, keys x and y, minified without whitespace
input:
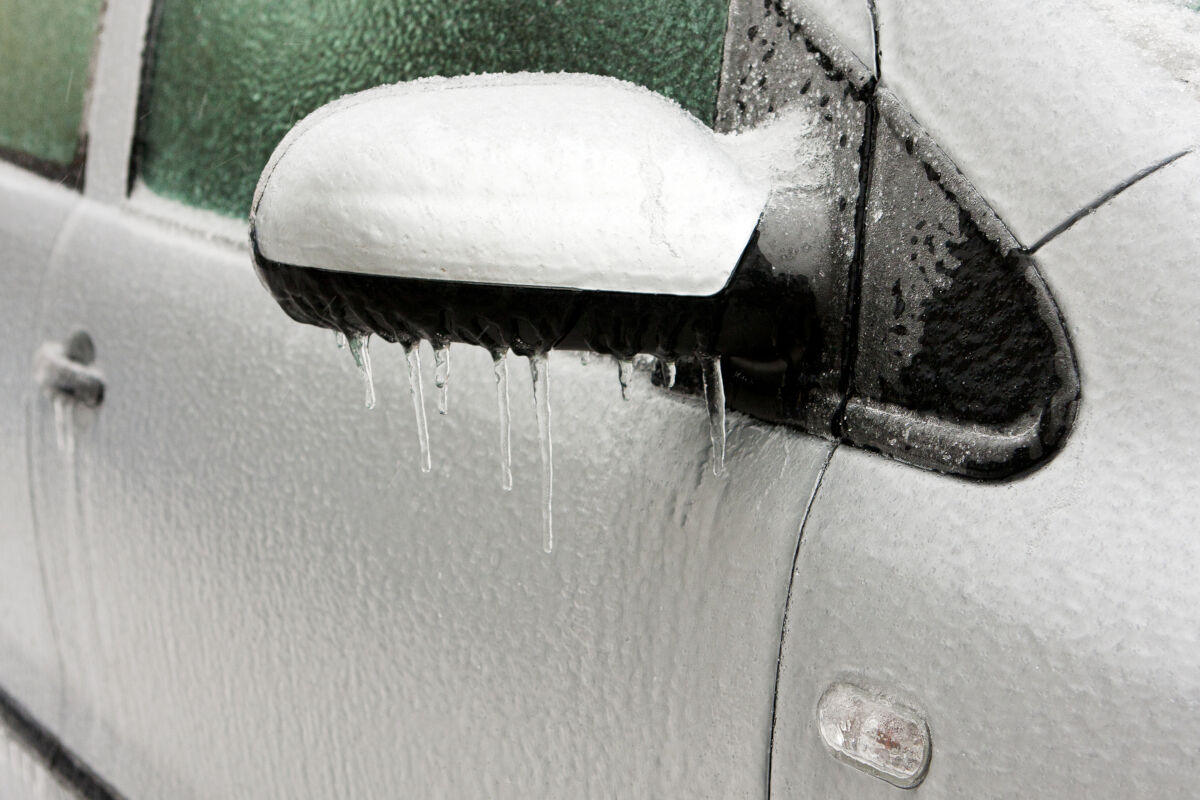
{"x":261,"y":554}
{"x":32,"y":211}
{"x":1041,"y":137}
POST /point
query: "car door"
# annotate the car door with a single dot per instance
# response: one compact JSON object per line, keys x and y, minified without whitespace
{"x":43,"y":72}
{"x":245,"y":562}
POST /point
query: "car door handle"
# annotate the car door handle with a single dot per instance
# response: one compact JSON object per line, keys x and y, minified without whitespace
{"x":65,"y":369}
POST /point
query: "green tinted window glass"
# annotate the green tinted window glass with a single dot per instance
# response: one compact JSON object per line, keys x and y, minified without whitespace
{"x":230,"y":77}
{"x":45,"y":50}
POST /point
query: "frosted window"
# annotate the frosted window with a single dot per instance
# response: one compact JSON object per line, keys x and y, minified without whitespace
{"x":45,"y":50}
{"x":230,"y":77}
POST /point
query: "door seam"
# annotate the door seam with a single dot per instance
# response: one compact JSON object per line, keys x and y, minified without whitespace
{"x":787,"y":607}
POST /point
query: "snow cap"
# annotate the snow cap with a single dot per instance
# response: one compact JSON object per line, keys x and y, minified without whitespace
{"x":539,"y":180}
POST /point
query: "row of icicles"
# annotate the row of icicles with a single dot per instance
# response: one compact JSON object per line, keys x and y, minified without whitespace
{"x":539,"y":368}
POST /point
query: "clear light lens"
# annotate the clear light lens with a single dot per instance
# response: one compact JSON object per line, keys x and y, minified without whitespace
{"x":875,"y":734}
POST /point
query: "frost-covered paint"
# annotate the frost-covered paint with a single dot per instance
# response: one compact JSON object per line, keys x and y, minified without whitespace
{"x":398,"y":633}
{"x":272,"y":624}
{"x":32,"y":212}
{"x":1046,"y":627}
{"x":1043,"y":106}
{"x":850,"y":21}
{"x":112,"y":104}
{"x":554,"y":181}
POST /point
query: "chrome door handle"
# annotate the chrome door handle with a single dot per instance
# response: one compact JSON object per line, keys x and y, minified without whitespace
{"x":65,"y":369}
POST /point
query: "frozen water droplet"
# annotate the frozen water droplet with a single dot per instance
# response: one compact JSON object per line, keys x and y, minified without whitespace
{"x":539,"y":370}
{"x":714,"y":398}
{"x":625,"y":375}
{"x":64,"y":432}
{"x":668,"y":369}
{"x":441,"y":376}
{"x":340,"y":339}
{"x":360,"y":349}
{"x":500,"y":366}
{"x":60,"y":436}
{"x":585,"y":358}
{"x":412,"y":352}
{"x":64,"y":425}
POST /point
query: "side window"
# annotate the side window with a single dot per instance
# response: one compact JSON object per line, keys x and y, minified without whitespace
{"x":228,"y":78}
{"x":45,"y":54}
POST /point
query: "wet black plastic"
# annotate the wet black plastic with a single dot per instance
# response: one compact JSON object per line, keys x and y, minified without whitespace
{"x":962,"y":363}
{"x":775,"y":66}
{"x":762,"y":324}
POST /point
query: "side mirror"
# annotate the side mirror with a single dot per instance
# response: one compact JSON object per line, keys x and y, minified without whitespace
{"x":527,"y":213}
{"x":569,"y":182}
{"x":524,"y":212}
{"x":836,"y":262}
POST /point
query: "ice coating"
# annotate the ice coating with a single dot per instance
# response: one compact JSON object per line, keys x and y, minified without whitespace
{"x":849,"y":22}
{"x":875,"y":734}
{"x":1165,"y":31}
{"x":563,"y":180}
{"x":1039,"y":135}
{"x":441,"y":376}
{"x":668,"y":368}
{"x":539,"y":371}
{"x":64,"y":425}
{"x":416,"y":390}
{"x":625,"y":376}
{"x":500,"y":366}
{"x":714,"y":400}
{"x":360,"y":349}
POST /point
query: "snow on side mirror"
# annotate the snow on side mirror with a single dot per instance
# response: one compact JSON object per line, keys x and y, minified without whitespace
{"x":547,"y":181}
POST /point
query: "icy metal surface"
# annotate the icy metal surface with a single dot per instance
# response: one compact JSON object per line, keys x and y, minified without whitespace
{"x":32,"y":211}
{"x":112,"y":103}
{"x":1042,"y":105}
{"x":262,"y":574}
{"x":1047,"y":627}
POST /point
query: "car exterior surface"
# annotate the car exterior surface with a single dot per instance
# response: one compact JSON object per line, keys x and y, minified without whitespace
{"x":229,"y":579}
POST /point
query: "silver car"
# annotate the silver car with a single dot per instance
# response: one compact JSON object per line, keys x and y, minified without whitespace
{"x":856,"y":452}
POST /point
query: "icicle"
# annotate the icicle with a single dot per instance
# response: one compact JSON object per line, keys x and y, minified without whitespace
{"x":360,"y":349}
{"x":413,"y":353}
{"x":64,"y":425}
{"x":668,"y":370}
{"x":500,"y":366}
{"x":340,"y":339}
{"x":625,"y":375}
{"x":539,"y":369}
{"x":714,"y":398}
{"x":441,"y":376}
{"x":60,"y":425}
